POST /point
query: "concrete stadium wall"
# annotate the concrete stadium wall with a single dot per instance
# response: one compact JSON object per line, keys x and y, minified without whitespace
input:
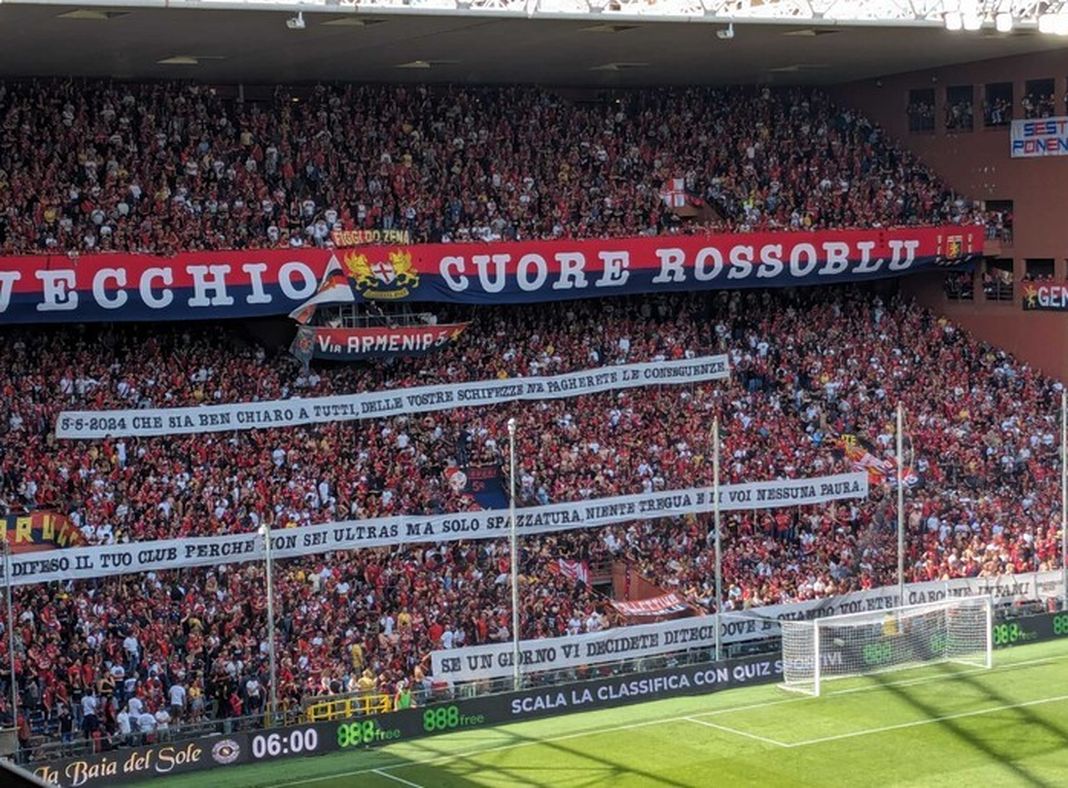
{"x":1040,"y":338}
{"x":978,"y":164}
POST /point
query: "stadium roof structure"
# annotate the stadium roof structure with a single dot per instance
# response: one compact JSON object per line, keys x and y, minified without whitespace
{"x":608,"y":43}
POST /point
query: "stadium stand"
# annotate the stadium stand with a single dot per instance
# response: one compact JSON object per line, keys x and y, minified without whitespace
{"x":807,"y":366}
{"x":171,"y":167}
{"x":167,"y":167}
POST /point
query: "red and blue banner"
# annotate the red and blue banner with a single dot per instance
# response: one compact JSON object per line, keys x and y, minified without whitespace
{"x":242,"y":284}
{"x":40,"y":530}
{"x":1045,"y":297}
{"x":485,"y":483}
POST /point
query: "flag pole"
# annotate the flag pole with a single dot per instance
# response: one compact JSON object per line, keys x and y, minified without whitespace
{"x":1064,"y":499}
{"x":719,"y":544}
{"x":8,"y":582}
{"x":265,"y":532}
{"x":900,"y":507}
{"x":517,"y":678}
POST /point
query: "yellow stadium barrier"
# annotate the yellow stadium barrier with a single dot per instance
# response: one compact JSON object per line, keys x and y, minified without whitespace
{"x":327,"y":708}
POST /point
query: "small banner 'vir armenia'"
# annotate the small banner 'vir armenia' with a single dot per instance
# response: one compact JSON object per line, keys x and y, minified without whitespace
{"x":352,"y":344}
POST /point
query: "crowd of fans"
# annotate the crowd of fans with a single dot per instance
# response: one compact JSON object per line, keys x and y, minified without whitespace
{"x":164,"y":168}
{"x":959,"y":115}
{"x":921,"y":115}
{"x":997,"y":111}
{"x":1039,"y":104}
{"x":999,"y":226}
{"x":171,"y":167}
{"x":998,"y":284}
{"x":959,"y":286}
{"x":134,"y":655}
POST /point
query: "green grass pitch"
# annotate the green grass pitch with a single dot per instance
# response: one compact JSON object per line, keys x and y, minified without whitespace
{"x":939,"y":726}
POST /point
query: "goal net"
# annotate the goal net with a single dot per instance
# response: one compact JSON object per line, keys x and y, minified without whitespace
{"x":860,"y":644}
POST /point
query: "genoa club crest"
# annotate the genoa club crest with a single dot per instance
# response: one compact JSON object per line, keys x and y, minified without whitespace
{"x":389,"y":279}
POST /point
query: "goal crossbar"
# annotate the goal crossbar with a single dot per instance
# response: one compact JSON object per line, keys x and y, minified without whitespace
{"x":861,"y":644}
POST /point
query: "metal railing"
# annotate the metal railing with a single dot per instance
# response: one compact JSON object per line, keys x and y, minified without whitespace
{"x":361,"y":706}
{"x":323,"y":708}
{"x":42,"y":748}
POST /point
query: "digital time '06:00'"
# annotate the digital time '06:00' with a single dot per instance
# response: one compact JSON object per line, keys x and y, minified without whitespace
{"x":271,"y":745}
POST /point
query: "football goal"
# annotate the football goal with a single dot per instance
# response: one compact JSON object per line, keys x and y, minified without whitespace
{"x":860,"y":644}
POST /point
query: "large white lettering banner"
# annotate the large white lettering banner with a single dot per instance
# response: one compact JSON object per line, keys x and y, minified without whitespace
{"x":86,"y":424}
{"x":90,"y":562}
{"x":647,"y":640}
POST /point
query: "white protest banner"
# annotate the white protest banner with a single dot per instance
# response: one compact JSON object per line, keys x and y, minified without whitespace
{"x":90,"y":562}
{"x":494,"y":660}
{"x":1034,"y":137}
{"x":87,"y":424}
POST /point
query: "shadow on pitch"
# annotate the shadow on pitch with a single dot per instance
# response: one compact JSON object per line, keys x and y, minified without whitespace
{"x":1029,"y":717}
{"x":604,"y":771}
{"x":1003,"y":755}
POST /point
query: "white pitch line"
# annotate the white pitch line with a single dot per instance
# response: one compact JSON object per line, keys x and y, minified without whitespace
{"x":596,"y":731}
{"x":931,"y":721}
{"x":868,"y":688}
{"x":497,"y":748}
{"x":395,"y":778}
{"x":749,"y":706}
{"x":737,"y":732}
{"x":943,"y":677}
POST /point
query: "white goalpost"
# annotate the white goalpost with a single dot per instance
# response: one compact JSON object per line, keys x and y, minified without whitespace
{"x":860,"y":644}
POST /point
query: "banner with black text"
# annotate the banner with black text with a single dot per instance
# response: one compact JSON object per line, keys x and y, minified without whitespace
{"x":294,"y":412}
{"x":154,"y":556}
{"x":355,"y":344}
{"x":494,"y":660}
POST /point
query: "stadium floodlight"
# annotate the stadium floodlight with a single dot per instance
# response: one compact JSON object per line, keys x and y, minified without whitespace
{"x":296,"y":22}
{"x":862,"y":644}
{"x":1003,"y":22}
{"x":972,"y":21}
{"x":954,"y":21}
{"x":1054,"y":23}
